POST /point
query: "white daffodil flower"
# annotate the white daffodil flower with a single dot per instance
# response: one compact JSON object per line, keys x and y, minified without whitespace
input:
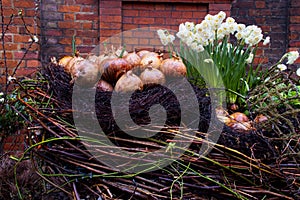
{"x":298,"y":72}
{"x":10,"y":79}
{"x":266,"y":41}
{"x":34,"y":39}
{"x":282,"y":67}
{"x":292,"y":57}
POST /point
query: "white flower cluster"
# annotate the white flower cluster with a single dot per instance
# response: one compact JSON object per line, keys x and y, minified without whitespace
{"x":1,"y":98}
{"x":213,"y":27}
{"x":165,"y":37}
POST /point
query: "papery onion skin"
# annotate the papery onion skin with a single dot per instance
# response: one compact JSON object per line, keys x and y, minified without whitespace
{"x":142,"y":53}
{"x":85,"y":73}
{"x":112,"y":69}
{"x":173,"y":67}
{"x":104,"y":86}
{"x":239,"y":117}
{"x":68,"y":67}
{"x":128,"y":82}
{"x":64,"y":61}
{"x":133,"y":59}
{"x":153,"y":59}
{"x":152,"y":76}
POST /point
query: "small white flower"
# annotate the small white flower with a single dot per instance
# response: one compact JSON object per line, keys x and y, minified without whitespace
{"x":266,"y":41}
{"x":298,"y":72}
{"x":1,"y":93}
{"x":189,"y":25}
{"x":230,"y":20}
{"x":282,"y":67}
{"x":170,"y":38}
{"x":250,"y":58}
{"x":34,"y":39}
{"x":1,"y":100}
{"x":292,"y":57}
{"x":10,"y":79}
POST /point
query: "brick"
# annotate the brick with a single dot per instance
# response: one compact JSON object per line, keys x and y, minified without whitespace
{"x":143,"y":20}
{"x":10,"y":46}
{"x":73,"y":25}
{"x":113,"y":11}
{"x":29,"y":55}
{"x":110,"y":4}
{"x":69,"y":17}
{"x":295,"y":19}
{"x":131,"y":13}
{"x":68,"y":8}
{"x":33,"y":63}
{"x":23,"y":4}
{"x":87,"y":25}
{"x":8,"y":54}
{"x":86,"y":2}
{"x":260,"y":4}
{"x":219,"y":7}
{"x":113,"y":25}
{"x":26,"y":72}
{"x":53,"y":32}
{"x":21,"y":38}
{"x":111,"y":19}
{"x":13,"y":63}
{"x":7,"y":3}
{"x":8,"y":38}
{"x":49,"y":7}
{"x":89,"y":17}
{"x":55,"y":16}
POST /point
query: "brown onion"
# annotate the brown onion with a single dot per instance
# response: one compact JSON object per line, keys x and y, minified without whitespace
{"x":104,"y":86}
{"x":112,"y":69}
{"x":152,"y":58}
{"x":173,"y":67}
{"x":133,"y":59}
{"x":128,"y":82}
{"x":260,"y":119}
{"x":142,"y":53}
{"x":69,"y":65}
{"x":85,"y":73}
{"x":152,"y":75}
{"x":239,"y":117}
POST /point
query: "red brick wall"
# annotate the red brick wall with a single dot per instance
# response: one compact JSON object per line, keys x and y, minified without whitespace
{"x":17,"y":38}
{"x":62,"y":19}
{"x":272,"y":17}
{"x":94,"y":20}
{"x":294,"y":26}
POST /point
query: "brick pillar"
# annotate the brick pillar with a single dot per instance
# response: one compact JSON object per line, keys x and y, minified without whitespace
{"x":272,"y":17}
{"x":294,"y":26}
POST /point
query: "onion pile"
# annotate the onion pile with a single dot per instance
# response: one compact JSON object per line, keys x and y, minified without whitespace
{"x":122,"y":71}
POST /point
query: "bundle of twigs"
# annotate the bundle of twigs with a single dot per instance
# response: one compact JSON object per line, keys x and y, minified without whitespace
{"x":241,"y":165}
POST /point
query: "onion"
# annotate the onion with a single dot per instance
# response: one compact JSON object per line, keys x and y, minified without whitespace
{"x":128,"y":82}
{"x":239,"y":117}
{"x":152,"y":75}
{"x":142,"y":53}
{"x":260,"y":119}
{"x":133,"y":59}
{"x":104,"y":86}
{"x":85,"y":73}
{"x":64,"y":60}
{"x":239,"y":121}
{"x":173,"y":67}
{"x":69,"y":66}
{"x":112,"y":69}
{"x":152,"y":59}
